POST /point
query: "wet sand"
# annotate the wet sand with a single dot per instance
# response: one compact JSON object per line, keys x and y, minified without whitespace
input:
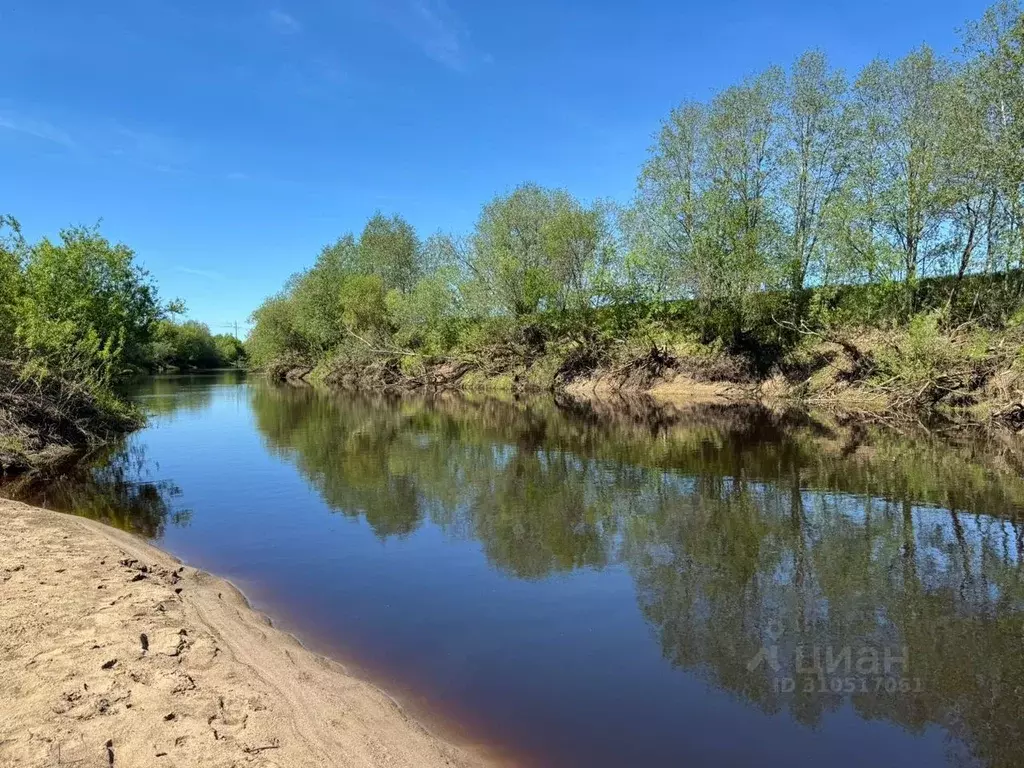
{"x":113,"y":653}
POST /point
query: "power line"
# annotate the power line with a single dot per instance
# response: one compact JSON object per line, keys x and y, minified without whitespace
{"x":233,"y":325}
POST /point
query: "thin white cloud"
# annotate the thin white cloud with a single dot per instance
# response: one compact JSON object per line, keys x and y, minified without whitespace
{"x":283,"y":23}
{"x":433,"y":27}
{"x":204,"y":273}
{"x":104,"y":140}
{"x":142,"y":147}
{"x":39,"y":129}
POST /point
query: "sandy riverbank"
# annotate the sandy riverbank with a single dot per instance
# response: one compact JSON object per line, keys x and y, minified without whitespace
{"x":113,"y":653}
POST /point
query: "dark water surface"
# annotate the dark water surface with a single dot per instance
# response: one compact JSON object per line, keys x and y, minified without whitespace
{"x":605,"y":586}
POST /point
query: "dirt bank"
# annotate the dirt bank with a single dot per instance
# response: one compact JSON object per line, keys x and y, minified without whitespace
{"x":45,"y":419}
{"x":114,"y":654}
{"x":966,"y":377}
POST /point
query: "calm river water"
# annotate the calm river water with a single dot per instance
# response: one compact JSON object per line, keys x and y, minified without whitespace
{"x":620,"y":585}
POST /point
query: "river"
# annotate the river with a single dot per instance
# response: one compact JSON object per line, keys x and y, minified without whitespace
{"x":617,"y":584}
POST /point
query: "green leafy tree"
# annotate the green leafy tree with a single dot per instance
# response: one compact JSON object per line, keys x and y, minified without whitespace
{"x":704,"y":225}
{"x":579,"y":250}
{"x":815,"y":163}
{"x":428,"y":318}
{"x":364,"y":302}
{"x":190,"y":345}
{"x":536,"y":249}
{"x":86,"y":303}
{"x":230,"y":351}
{"x":509,"y":262}
{"x":991,"y":106}
{"x":970,"y":180}
{"x":744,"y":158}
{"x":390,"y":249}
{"x":275,"y":334}
{"x":12,"y":250}
{"x":667,"y":229}
{"x":901,"y":105}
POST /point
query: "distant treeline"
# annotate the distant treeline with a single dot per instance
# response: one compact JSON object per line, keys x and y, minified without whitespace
{"x":796,"y":200}
{"x":189,"y":345}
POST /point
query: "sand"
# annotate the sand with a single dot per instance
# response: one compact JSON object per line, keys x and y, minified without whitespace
{"x":112,"y":653}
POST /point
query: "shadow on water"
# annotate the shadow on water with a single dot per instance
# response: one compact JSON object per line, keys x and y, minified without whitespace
{"x":803,"y":566}
{"x":112,"y":486}
{"x":118,"y":484}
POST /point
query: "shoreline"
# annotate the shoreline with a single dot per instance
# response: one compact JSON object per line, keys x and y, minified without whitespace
{"x":116,"y":653}
{"x":682,"y":390}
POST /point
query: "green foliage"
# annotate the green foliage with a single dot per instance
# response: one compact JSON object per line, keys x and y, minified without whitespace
{"x":77,"y":315}
{"x":316,"y":314}
{"x":230,"y":351}
{"x":345,"y":296}
{"x":428,"y":319}
{"x":363,"y":299}
{"x":390,"y":249}
{"x":79,"y":310}
{"x":922,"y":355}
{"x":536,"y":250}
{"x":275,"y":334}
{"x":12,"y":247}
{"x":84,"y":305}
{"x":190,"y":345}
{"x":796,"y":200}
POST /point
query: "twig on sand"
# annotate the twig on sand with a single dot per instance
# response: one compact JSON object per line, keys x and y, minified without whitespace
{"x":256,"y":750}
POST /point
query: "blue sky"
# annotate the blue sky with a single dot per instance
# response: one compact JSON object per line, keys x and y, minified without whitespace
{"x":227,"y":141}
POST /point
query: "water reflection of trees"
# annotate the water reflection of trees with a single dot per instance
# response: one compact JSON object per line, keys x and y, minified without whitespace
{"x":747,"y":566}
{"x":170,"y":393}
{"x":396,"y":462}
{"x":741,"y":528}
{"x":114,"y":486}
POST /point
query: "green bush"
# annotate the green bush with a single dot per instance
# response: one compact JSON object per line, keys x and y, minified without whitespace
{"x":75,"y":315}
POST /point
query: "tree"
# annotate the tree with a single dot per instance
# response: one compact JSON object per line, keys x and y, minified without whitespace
{"x":428,"y":317}
{"x":12,"y":249}
{"x":577,"y":246}
{"x":815,"y":163}
{"x":901,"y":132}
{"x":744,"y":158}
{"x":364,"y":302}
{"x":704,"y":224}
{"x":390,"y":249}
{"x":190,"y":345}
{"x":537,"y":249}
{"x":508,"y":260}
{"x":993,"y":96}
{"x":667,"y":227}
{"x":315,"y":293}
{"x":85,"y":302}
{"x":275,"y":334}
{"x":969,"y":178}
{"x":230,"y":351}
